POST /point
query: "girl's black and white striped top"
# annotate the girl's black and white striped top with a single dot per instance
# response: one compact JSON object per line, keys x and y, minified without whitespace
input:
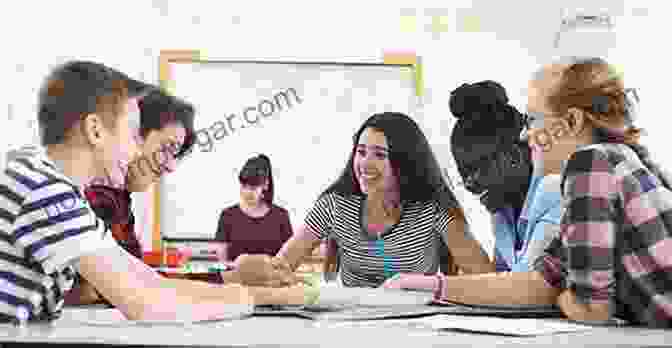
{"x":45,"y":226}
{"x":409,"y":246}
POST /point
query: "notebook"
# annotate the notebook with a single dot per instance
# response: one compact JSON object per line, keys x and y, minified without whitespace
{"x":370,"y":304}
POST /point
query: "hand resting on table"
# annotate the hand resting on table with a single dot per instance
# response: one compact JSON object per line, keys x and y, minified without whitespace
{"x":411,"y":281}
{"x":262,"y":270}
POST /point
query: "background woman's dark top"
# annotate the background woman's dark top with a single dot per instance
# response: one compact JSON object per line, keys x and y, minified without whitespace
{"x":253,"y":235}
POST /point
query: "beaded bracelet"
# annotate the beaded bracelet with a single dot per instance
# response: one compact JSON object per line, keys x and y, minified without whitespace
{"x":438,"y":292}
{"x":312,"y":291}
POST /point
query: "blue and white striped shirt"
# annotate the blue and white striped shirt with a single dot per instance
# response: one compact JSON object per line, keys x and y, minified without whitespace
{"x":45,"y":226}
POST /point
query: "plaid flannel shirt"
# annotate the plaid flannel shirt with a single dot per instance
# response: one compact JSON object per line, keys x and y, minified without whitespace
{"x":615,"y":244}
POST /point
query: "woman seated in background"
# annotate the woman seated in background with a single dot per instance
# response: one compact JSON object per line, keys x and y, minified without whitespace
{"x":166,"y":136}
{"x":389,"y":211}
{"x":255,"y":225}
{"x":611,"y":259}
{"x":498,"y":167}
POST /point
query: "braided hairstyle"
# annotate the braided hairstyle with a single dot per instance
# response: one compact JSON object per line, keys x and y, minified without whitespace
{"x":486,"y":145}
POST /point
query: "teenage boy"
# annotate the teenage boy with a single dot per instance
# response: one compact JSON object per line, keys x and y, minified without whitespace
{"x":166,"y":137}
{"x":87,"y":117}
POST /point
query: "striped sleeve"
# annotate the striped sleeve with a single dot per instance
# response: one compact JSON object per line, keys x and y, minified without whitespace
{"x":588,"y":227}
{"x":55,"y":226}
{"x":320,"y":218}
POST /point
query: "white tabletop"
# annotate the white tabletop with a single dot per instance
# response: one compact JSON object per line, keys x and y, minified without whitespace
{"x":291,"y":331}
{"x":271,"y":331}
{"x":287,"y":331}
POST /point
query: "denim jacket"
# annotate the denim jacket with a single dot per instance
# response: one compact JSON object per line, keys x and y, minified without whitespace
{"x":519,"y":243}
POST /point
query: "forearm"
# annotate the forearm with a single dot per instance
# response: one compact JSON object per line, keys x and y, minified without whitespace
{"x":517,"y":288}
{"x":204,"y":304}
{"x":230,"y":277}
{"x":300,"y":245}
{"x":276,"y":296}
{"x":204,"y":290}
{"x":141,"y":294}
{"x":230,"y":293}
{"x":580,"y":312}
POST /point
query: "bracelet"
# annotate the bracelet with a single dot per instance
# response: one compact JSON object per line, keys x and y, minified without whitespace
{"x":438,"y":292}
{"x":311,"y":293}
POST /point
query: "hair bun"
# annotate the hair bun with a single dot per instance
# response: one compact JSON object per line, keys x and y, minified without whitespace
{"x":264,"y":158}
{"x":476,"y":97}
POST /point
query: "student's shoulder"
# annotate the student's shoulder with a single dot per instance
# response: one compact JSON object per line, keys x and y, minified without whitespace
{"x":279,"y":210}
{"x":598,"y":157}
{"x":24,"y":175}
{"x":338,"y":197}
{"x":230,"y":210}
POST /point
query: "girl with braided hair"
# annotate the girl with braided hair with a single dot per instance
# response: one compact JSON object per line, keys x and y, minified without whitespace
{"x":497,"y":166}
{"x":610,"y":262}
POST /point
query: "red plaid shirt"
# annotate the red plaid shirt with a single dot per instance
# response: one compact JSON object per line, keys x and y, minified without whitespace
{"x":615,"y":243}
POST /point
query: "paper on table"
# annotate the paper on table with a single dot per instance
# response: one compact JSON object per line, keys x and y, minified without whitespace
{"x":370,"y":297}
{"x":114,"y":317}
{"x":501,"y":326}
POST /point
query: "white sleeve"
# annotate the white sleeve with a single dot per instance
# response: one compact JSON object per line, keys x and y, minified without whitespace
{"x":56,"y":226}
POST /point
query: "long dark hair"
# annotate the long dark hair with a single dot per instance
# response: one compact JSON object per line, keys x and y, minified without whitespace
{"x":413,"y":163}
{"x":255,"y":171}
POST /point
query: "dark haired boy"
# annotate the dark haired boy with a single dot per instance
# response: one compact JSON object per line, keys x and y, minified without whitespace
{"x":88,"y":115}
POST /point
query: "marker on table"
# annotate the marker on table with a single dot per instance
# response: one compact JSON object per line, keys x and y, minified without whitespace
{"x":219,"y":268}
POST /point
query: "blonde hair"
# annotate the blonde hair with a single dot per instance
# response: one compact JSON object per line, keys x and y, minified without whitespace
{"x":593,"y":86}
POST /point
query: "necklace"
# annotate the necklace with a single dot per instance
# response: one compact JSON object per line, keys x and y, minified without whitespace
{"x":379,"y":247}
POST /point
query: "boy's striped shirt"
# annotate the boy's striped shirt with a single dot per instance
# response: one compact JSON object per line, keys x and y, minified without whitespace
{"x":615,"y":241}
{"x":45,"y":225}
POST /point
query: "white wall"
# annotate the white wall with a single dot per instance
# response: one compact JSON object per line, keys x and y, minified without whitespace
{"x":511,"y":38}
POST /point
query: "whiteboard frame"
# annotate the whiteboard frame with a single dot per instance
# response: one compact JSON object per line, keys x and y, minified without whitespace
{"x":169,"y":57}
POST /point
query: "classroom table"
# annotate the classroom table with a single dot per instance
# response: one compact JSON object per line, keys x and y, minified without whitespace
{"x":296,"y":332}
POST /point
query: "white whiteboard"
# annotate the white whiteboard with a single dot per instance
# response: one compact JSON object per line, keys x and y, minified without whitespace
{"x":308,"y":142}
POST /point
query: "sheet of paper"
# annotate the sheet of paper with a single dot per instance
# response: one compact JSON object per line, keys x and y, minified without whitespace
{"x":368,"y":297}
{"x":114,"y":317}
{"x":501,"y":326}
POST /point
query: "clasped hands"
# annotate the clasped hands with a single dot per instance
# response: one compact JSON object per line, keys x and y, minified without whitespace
{"x":275,"y":272}
{"x":266,"y":271}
